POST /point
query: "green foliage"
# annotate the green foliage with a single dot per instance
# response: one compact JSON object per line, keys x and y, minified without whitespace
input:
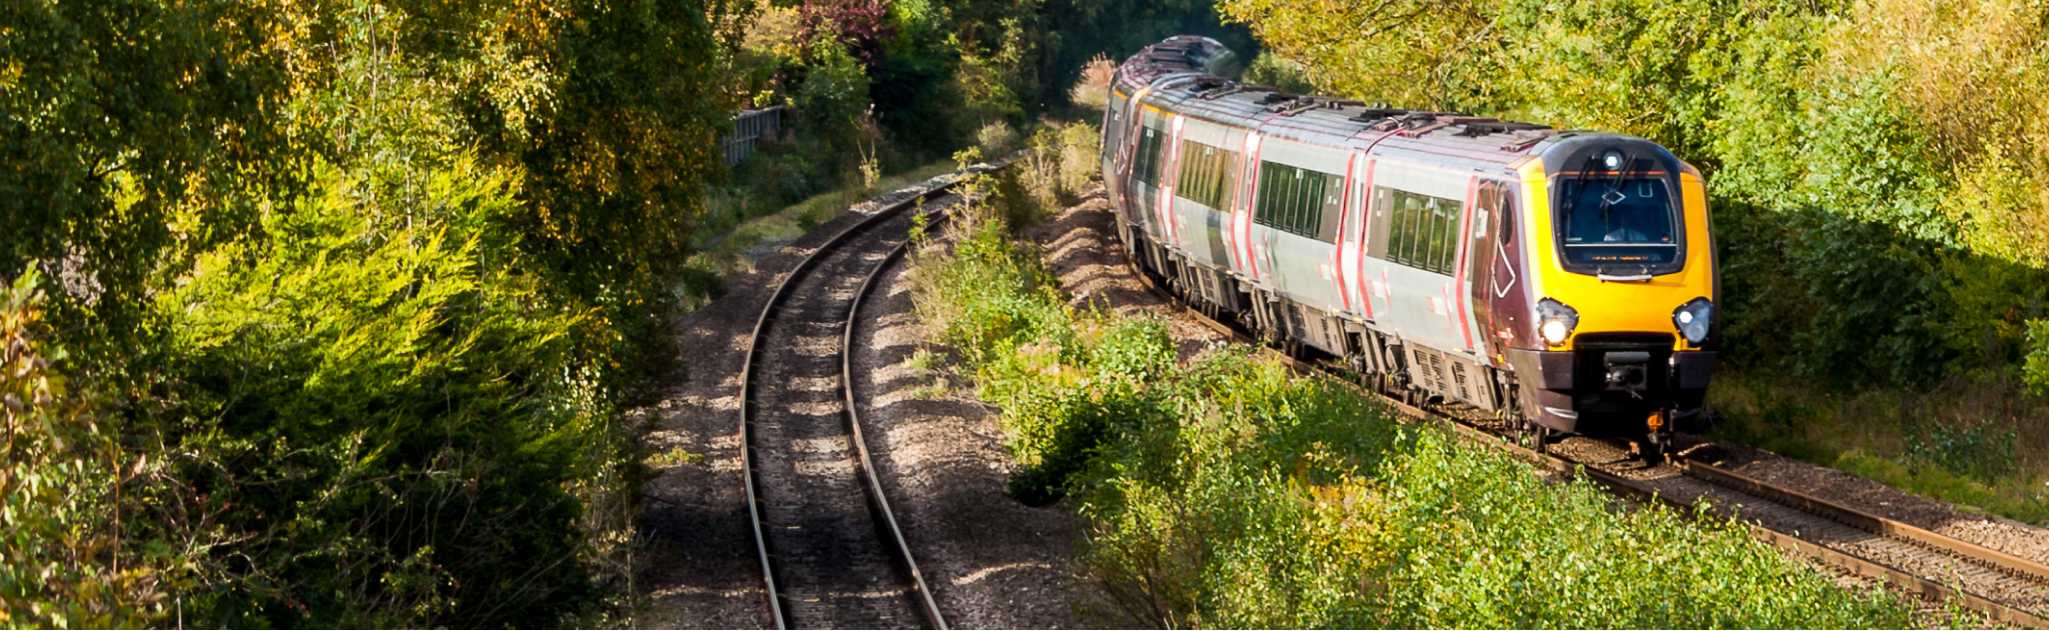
{"x":1978,"y":451}
{"x":1080,"y":147}
{"x":2011,"y":497}
{"x":1279,"y":72}
{"x":1966,"y":442}
{"x":614,"y":170}
{"x":347,"y":290}
{"x":138,"y":131}
{"x":65,"y":561}
{"x":1231,"y":493}
{"x":1076,"y":31}
{"x":1057,"y":163}
{"x":2037,"y":366}
{"x":395,"y":420}
{"x":833,"y":96}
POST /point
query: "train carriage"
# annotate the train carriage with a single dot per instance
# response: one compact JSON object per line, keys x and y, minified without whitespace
{"x":1564,"y":279}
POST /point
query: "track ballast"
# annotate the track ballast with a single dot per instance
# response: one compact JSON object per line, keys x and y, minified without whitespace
{"x":830,"y":549}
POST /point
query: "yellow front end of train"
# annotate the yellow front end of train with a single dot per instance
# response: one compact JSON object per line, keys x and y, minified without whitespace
{"x":1623,"y":293}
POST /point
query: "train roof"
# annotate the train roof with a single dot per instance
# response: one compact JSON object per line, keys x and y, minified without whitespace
{"x":1183,"y":74}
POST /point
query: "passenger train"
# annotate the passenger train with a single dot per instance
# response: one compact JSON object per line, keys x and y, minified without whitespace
{"x":1562,"y":280}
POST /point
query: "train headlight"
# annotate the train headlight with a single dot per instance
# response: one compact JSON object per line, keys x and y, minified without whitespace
{"x":1555,"y":321}
{"x":1694,"y":319}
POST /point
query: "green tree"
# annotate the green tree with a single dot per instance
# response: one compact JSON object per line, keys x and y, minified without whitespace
{"x":138,"y":132}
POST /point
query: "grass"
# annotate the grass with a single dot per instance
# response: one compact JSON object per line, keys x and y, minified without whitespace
{"x":720,"y":254}
{"x":1228,"y":492}
{"x":671,"y":457}
{"x":925,"y":363}
{"x":1942,"y":444}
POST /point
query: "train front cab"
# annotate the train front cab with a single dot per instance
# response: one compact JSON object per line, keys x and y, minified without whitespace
{"x":1623,"y":289}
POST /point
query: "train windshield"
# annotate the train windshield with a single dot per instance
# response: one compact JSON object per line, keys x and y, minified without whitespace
{"x":1617,"y":224}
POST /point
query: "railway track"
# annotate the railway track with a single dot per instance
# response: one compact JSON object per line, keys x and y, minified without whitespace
{"x":2005,"y":588}
{"x":831,"y":551}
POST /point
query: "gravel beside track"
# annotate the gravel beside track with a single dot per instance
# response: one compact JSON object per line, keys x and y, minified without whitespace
{"x":991,"y":562}
{"x":1081,"y":248}
{"x":1998,"y":533}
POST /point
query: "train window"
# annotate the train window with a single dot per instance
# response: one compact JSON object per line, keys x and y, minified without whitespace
{"x":1207,"y":174}
{"x":1296,"y":200}
{"x":1355,"y":219}
{"x":1397,"y":227}
{"x":1330,"y":207}
{"x":1151,"y":142}
{"x":1446,"y":214}
{"x":1624,"y":221}
{"x":1423,"y":230}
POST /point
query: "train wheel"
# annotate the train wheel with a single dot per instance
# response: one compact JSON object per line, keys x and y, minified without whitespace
{"x":1537,"y":437}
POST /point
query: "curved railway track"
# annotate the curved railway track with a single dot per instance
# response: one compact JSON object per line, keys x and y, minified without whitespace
{"x":2007,"y":589}
{"x":831,"y":551}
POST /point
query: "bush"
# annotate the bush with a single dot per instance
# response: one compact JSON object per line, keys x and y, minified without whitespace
{"x":2037,"y":366}
{"x":66,"y":561}
{"x":1092,"y":90}
{"x":393,"y":424}
{"x":1271,"y":69}
{"x":1081,"y":148}
{"x":1058,"y":162}
{"x":832,"y":99}
{"x":996,"y":138}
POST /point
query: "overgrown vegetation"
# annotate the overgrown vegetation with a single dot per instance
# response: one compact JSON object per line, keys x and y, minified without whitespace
{"x":325,"y":311}
{"x":1880,"y":183}
{"x":894,"y":87}
{"x":1230,"y":493}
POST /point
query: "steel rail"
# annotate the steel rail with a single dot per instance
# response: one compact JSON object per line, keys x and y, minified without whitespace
{"x":755,"y":510}
{"x":1641,"y":493}
{"x":877,"y":499}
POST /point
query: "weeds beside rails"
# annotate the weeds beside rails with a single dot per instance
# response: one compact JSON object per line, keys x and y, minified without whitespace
{"x":1230,"y":493}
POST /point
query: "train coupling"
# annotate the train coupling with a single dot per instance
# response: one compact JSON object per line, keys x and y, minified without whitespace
{"x":1627,"y":371}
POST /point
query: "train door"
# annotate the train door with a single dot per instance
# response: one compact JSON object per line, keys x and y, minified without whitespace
{"x":1351,"y":246}
{"x":1418,"y":213}
{"x":1499,"y":302}
{"x":1169,"y":172}
{"x":1113,"y":143}
{"x":1147,"y":158}
{"x":1130,"y":200}
{"x":1239,"y":236}
{"x":1205,"y":183}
